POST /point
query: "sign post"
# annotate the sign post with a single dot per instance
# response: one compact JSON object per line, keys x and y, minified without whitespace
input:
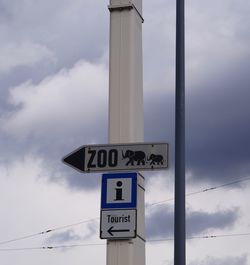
{"x":126,"y":111}
{"x":123,"y":201}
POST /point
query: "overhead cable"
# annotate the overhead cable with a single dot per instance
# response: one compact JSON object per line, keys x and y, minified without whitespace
{"x":47,"y":231}
{"x":202,"y":191}
{"x":149,"y":205}
{"x":103,"y":244}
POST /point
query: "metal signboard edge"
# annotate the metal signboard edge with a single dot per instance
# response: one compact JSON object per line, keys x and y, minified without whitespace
{"x":119,"y":144}
{"x":127,"y":169}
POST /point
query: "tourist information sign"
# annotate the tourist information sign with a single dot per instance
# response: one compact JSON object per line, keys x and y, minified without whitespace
{"x":119,"y":190}
{"x":118,"y":206}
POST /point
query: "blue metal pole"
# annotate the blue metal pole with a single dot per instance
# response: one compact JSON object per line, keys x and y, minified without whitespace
{"x":180,"y":222}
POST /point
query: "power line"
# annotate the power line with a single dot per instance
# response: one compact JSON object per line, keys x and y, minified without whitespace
{"x":202,"y":191}
{"x":202,"y":237}
{"x":103,"y":244}
{"x":149,"y":205}
{"x":24,"y":237}
{"x":47,"y":231}
{"x":220,"y":186}
{"x":52,"y":247}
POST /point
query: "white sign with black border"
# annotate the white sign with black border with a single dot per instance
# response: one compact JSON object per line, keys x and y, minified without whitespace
{"x":119,"y":157}
{"x":118,"y":224}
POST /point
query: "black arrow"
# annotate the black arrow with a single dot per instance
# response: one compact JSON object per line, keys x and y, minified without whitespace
{"x":76,"y":159}
{"x":111,"y":230}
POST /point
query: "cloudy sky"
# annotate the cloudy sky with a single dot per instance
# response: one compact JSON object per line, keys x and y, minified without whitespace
{"x":54,"y":98}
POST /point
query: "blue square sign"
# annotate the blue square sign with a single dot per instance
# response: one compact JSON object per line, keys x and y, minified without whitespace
{"x":119,"y":190}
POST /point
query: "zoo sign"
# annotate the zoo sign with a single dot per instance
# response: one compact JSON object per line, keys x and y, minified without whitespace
{"x":119,"y":157}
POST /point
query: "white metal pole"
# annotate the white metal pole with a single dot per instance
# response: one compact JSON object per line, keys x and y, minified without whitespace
{"x":126,"y":110}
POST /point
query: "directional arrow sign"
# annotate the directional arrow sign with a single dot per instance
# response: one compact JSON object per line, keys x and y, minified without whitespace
{"x":111,"y":230}
{"x":118,"y":224}
{"x":112,"y":157}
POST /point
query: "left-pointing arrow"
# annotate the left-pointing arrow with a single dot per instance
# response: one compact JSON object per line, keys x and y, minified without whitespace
{"x":111,"y":230}
{"x":76,"y":159}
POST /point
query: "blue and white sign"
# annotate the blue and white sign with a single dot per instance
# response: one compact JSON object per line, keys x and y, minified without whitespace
{"x":119,"y":191}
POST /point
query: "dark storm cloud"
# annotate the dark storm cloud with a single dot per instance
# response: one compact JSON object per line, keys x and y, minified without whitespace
{"x":160,"y":221}
{"x":217,"y":88}
{"x":217,"y":127}
{"x":4,"y":12}
{"x":68,"y":37}
{"x":53,"y":148}
{"x":199,"y":222}
{"x":217,"y":102}
{"x":52,"y":128}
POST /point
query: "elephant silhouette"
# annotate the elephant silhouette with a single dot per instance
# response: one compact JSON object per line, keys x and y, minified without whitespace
{"x":155,"y":159}
{"x":134,"y":156}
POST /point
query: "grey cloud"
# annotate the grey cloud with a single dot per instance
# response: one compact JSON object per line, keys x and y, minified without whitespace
{"x":217,"y":99}
{"x":217,"y":127}
{"x":71,"y":235}
{"x":92,"y":229}
{"x":160,"y":221}
{"x":46,"y":132}
{"x":241,"y":260}
{"x":217,"y":89}
{"x":68,"y":37}
{"x":218,"y":131}
{"x":24,"y":53}
{"x":199,"y":222}
{"x":52,"y":149}
{"x":63,"y":237}
{"x":4,"y":12}
{"x":59,"y":30}
{"x":78,"y":181}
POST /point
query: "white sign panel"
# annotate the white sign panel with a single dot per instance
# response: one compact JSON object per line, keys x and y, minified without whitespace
{"x":118,"y":224}
{"x":119,"y":190}
{"x":111,"y":157}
